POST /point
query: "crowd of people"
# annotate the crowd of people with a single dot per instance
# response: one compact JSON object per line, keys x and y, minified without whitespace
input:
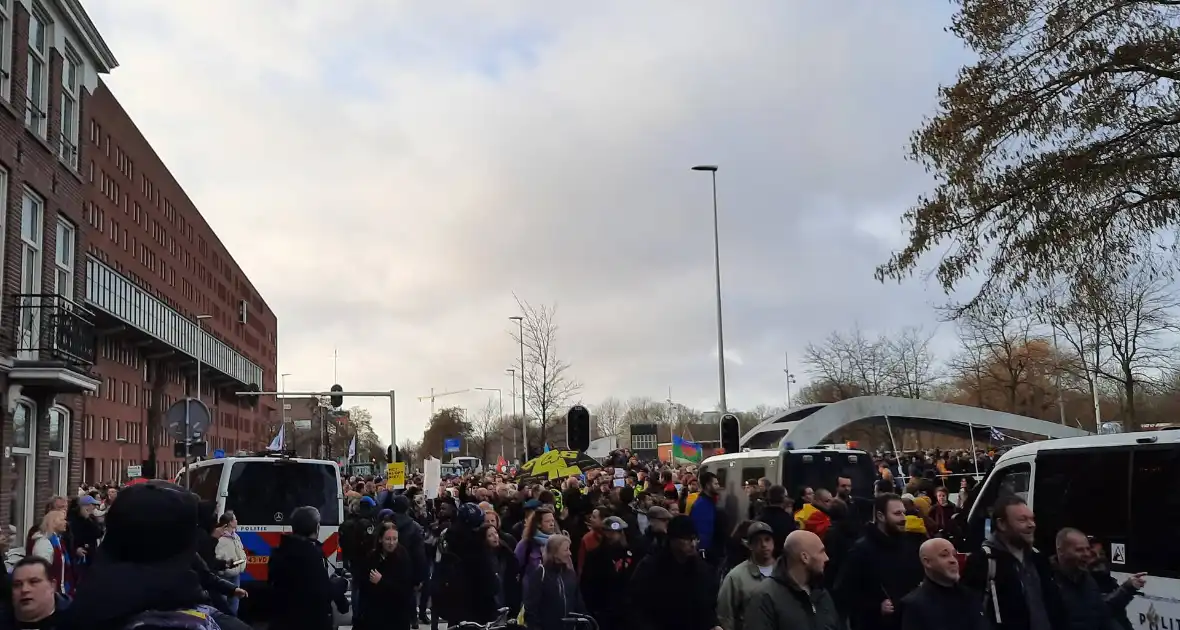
{"x":632,"y":546}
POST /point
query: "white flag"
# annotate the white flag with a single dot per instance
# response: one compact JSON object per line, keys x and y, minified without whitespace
{"x":277,"y":443}
{"x":352,"y":449}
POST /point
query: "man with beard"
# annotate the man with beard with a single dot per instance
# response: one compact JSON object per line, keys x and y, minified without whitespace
{"x":880,"y":569}
{"x":1016,"y":580}
{"x":794,"y":596}
{"x":606,"y":575}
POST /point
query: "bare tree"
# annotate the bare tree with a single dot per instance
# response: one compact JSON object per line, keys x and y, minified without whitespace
{"x":850,"y":364}
{"x":409,"y":451}
{"x":608,"y":417}
{"x":1132,"y":316}
{"x":1003,"y":359}
{"x":645,"y":410}
{"x":547,"y":384}
{"x":484,"y":426}
{"x":912,"y":363}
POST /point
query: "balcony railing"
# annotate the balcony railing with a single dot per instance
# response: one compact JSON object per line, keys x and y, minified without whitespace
{"x":52,"y":328}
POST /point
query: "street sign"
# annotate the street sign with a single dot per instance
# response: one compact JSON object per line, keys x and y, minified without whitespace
{"x":451,"y":445}
{"x":303,"y":425}
{"x":198,"y":419}
{"x":218,"y":454}
{"x":395,"y":476}
{"x":134,"y":471}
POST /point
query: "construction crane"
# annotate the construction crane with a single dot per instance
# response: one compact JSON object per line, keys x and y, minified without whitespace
{"x":433,"y":395}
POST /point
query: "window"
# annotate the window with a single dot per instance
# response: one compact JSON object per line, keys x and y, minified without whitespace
{"x":1013,"y":479}
{"x":1153,"y":546}
{"x":71,"y":78}
{"x":21,"y":506}
{"x":6,"y":49}
{"x":643,"y":442}
{"x":64,"y":260}
{"x":37,"y":85}
{"x":751,"y":473}
{"x":59,"y":431}
{"x":259,"y":490}
{"x":32,"y":223}
{"x":1071,"y":484}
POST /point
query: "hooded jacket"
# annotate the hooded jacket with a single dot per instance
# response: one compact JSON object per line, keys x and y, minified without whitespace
{"x":781,"y":603}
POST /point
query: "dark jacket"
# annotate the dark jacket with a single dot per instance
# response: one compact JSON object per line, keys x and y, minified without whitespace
{"x":935,"y":607}
{"x":1082,"y":601}
{"x":878,"y":567}
{"x":356,"y":537}
{"x":116,"y":591}
{"x":411,"y":537}
{"x":551,"y":594}
{"x":463,"y":585}
{"x":1010,"y":597}
{"x":605,"y":581}
{"x":301,"y":592}
{"x":686,"y":589}
{"x":389,"y":604}
{"x":508,"y":575}
{"x":781,"y":523}
{"x":780,"y":603}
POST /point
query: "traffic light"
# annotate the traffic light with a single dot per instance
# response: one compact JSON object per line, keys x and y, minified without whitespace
{"x":390,"y":454}
{"x":731,"y":433}
{"x":337,"y":400}
{"x":577,"y":428}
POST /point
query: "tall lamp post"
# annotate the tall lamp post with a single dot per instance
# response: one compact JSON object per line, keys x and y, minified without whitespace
{"x":524,"y":414}
{"x":512,"y":379}
{"x":123,"y":467}
{"x":500,"y":395}
{"x":712,"y":170}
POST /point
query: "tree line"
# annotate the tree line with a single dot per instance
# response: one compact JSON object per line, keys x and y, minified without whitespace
{"x":1077,"y":357}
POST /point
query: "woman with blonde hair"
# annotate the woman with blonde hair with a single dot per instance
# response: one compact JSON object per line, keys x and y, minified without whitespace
{"x":47,"y":542}
{"x":552,"y":592}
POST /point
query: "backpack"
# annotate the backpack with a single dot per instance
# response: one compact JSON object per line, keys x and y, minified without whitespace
{"x":199,"y":618}
{"x":989,"y":593}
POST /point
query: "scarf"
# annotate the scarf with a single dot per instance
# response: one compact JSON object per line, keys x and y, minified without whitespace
{"x":62,"y":566}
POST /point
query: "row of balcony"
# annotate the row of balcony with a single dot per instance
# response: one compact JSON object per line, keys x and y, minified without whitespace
{"x":54,"y":330}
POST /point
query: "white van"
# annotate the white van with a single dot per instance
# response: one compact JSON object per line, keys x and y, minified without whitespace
{"x":1123,"y":490}
{"x":262,"y":490}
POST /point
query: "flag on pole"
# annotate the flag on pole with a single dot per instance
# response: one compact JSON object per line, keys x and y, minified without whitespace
{"x":546,"y":447}
{"x":685,"y":450}
{"x":277,"y":443}
{"x":352,"y":449}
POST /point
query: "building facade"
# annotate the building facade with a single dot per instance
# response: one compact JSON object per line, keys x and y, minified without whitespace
{"x":51,"y":56}
{"x":169,"y":298}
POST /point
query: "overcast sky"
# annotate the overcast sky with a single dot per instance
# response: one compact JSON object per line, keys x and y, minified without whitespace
{"x":388,"y":173}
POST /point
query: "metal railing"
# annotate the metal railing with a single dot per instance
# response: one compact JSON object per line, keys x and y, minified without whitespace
{"x":52,"y":328}
{"x":68,"y":151}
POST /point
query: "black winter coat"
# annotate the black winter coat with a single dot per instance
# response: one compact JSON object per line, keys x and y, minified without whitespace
{"x":301,"y":592}
{"x":878,"y":567}
{"x":389,"y":604}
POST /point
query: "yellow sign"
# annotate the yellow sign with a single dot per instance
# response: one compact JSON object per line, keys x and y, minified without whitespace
{"x":395,"y":476}
{"x":553,"y":465}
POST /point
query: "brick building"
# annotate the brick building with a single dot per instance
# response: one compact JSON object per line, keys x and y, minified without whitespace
{"x":173,"y":294}
{"x":107,"y":266}
{"x":50,"y":58}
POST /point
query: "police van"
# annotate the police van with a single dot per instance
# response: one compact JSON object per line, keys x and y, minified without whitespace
{"x":262,"y":490}
{"x":794,"y":469}
{"x":1122,"y":490}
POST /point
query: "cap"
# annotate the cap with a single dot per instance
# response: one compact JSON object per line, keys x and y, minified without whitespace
{"x":681,"y":526}
{"x":86,"y":499}
{"x":368,"y":501}
{"x":614,"y":524}
{"x":907,"y":496}
{"x":658,"y":513}
{"x":532,"y":504}
{"x":756,"y":528}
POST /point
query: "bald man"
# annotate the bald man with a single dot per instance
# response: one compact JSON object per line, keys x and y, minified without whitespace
{"x":940,"y":602}
{"x":794,"y":596}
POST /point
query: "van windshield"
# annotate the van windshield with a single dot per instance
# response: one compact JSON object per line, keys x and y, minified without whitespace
{"x":265,"y":493}
{"x":823,"y":469}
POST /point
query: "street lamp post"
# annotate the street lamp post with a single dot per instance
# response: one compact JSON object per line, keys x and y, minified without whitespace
{"x":524,"y":414}
{"x":500,"y":395}
{"x":512,"y":379}
{"x":283,"y":421}
{"x":712,"y":170}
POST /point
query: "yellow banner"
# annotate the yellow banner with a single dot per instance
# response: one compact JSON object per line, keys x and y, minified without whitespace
{"x":395,"y":475}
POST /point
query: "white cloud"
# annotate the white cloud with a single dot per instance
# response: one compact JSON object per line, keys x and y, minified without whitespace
{"x":390,"y":173}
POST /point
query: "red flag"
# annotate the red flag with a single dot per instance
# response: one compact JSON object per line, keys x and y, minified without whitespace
{"x":502,"y":464}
